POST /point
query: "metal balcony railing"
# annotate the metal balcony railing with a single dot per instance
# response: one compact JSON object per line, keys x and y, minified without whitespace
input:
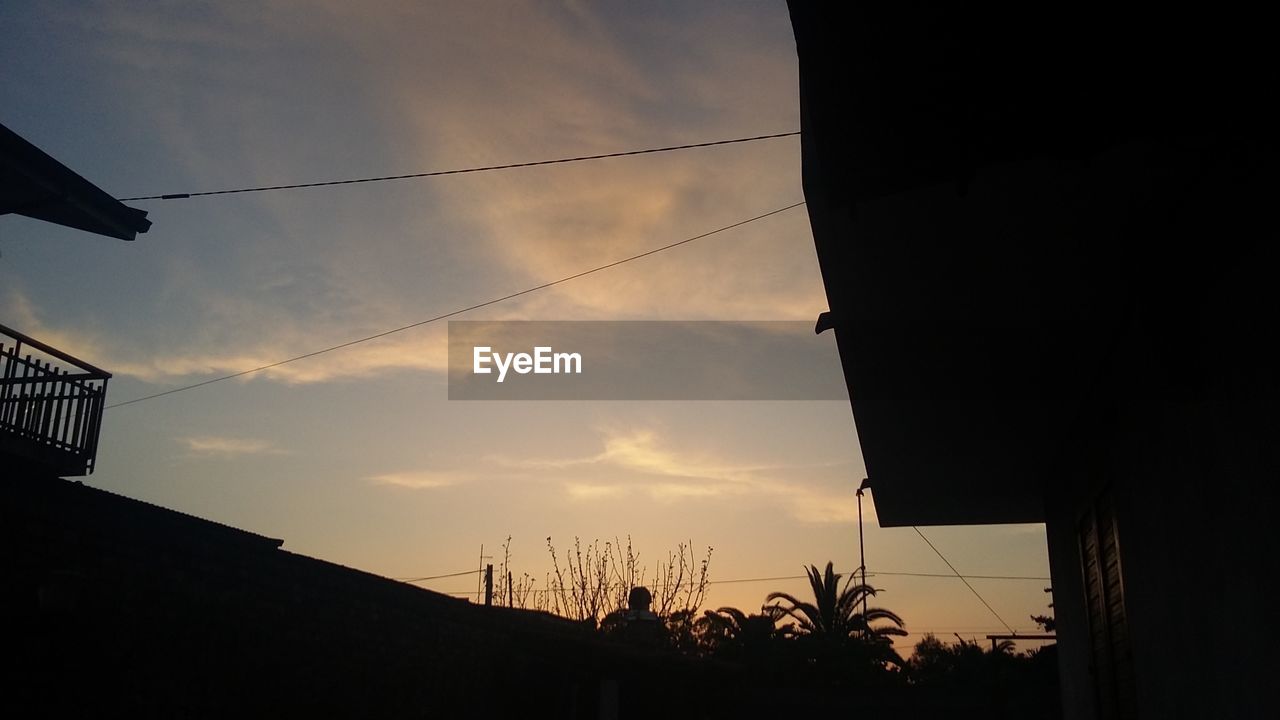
{"x":50,"y":406}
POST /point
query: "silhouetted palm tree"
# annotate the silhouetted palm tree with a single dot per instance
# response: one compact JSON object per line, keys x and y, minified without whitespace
{"x":837,"y":614}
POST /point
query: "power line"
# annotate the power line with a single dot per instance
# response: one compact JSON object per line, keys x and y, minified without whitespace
{"x":462,"y":171}
{"x":873,"y":573}
{"x":453,"y":313}
{"x":436,"y":577}
{"x":754,"y":580}
{"x":962,"y":578}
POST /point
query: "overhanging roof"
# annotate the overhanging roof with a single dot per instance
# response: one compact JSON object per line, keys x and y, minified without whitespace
{"x":991,"y":192}
{"x":35,"y":185}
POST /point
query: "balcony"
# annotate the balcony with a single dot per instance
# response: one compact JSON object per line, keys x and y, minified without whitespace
{"x":50,"y":407}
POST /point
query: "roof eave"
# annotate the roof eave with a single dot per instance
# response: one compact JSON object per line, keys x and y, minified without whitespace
{"x":34,"y":184}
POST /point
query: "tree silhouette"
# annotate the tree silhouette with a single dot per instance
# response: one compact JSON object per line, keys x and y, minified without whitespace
{"x":999,"y":677}
{"x":732,"y":634}
{"x":960,"y":664}
{"x":837,"y":613}
{"x":836,"y":633}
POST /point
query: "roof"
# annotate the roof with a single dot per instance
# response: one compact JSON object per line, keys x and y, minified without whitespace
{"x":988,"y":209}
{"x":35,"y":185}
{"x":112,"y":515}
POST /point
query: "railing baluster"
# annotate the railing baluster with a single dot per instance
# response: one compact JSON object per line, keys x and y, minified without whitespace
{"x":95,"y":418}
{"x":72,"y":400}
{"x":45,"y":406}
{"x":78,"y":425}
{"x":55,"y":423}
{"x":25,"y":392}
{"x":9,"y":358}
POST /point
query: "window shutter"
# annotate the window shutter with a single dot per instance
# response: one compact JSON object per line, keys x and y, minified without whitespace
{"x":1108,"y":623}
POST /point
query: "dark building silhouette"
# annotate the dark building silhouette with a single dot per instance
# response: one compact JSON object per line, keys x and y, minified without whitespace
{"x":35,"y":185}
{"x":1046,"y":236}
{"x":115,"y":607}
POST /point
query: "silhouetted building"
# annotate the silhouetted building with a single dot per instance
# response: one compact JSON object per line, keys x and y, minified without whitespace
{"x":115,"y":607}
{"x":1047,"y":242}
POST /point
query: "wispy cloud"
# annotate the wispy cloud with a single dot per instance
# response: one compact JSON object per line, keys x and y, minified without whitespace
{"x":20,"y":312}
{"x":384,"y":355}
{"x":417,"y":480}
{"x":641,"y":462}
{"x":323,"y":267}
{"x":589,"y":491}
{"x":421,"y":349}
{"x":220,"y":446}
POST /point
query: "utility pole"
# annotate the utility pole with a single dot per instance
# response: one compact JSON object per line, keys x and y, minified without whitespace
{"x":480,"y":572}
{"x":488,"y":585}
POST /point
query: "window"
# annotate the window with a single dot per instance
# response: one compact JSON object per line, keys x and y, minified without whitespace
{"x":1112,"y":666}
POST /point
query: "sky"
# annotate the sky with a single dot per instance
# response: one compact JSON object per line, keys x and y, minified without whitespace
{"x":358,"y":456}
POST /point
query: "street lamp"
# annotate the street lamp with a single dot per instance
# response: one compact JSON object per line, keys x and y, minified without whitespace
{"x":862,"y":554}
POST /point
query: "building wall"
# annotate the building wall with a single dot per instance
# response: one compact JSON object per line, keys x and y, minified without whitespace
{"x":1069,"y":613}
{"x":1184,"y":433}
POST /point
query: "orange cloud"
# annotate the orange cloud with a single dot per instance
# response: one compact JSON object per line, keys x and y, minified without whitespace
{"x":640,"y":462}
{"x":214,"y":445}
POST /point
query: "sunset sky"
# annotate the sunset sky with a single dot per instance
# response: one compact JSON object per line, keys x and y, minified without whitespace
{"x":357,"y":456}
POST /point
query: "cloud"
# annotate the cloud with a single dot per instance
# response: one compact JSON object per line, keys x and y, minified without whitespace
{"x":641,"y":462}
{"x":23,"y":315}
{"x":295,"y":272}
{"x":421,"y":349}
{"x":677,"y":491}
{"x":378,"y":357}
{"x":816,"y":506}
{"x":587,"y":491}
{"x":220,"y":446}
{"x":417,"y":480}
{"x":572,"y":92}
